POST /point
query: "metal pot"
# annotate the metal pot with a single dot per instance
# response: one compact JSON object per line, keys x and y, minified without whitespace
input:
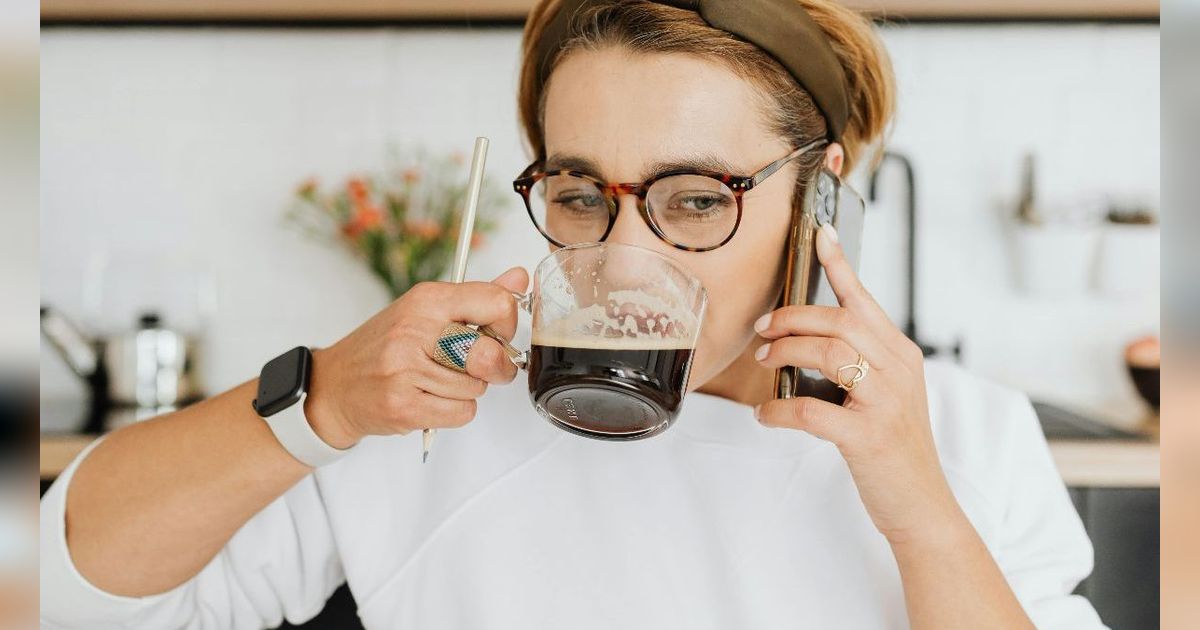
{"x":151,"y":366}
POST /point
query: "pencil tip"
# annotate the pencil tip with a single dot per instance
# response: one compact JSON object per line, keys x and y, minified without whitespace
{"x":424,"y":457}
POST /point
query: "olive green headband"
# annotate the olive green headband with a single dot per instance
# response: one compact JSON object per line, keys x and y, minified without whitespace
{"x":781,"y":28}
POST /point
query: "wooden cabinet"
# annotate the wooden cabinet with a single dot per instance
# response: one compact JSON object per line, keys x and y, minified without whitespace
{"x":1123,"y":526}
{"x":385,"y":11}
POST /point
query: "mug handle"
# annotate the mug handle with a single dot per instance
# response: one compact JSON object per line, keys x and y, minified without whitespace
{"x":520,"y":358}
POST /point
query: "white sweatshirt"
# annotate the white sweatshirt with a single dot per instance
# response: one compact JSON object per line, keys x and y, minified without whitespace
{"x":514,"y":524}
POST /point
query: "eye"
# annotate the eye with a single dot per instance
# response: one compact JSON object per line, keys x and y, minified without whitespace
{"x":700,"y":202}
{"x":579,"y":201}
{"x":698,"y":205}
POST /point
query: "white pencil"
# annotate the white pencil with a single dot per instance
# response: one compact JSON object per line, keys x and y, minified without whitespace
{"x":466,"y":230}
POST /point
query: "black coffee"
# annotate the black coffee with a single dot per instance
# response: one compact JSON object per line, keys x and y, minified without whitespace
{"x":609,"y":393}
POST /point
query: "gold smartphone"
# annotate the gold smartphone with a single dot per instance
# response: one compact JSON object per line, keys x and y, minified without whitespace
{"x":827,"y":199}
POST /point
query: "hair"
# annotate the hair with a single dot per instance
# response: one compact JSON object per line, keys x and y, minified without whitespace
{"x":647,"y":27}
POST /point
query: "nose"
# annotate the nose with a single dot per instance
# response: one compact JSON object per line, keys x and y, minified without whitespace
{"x":630,"y":228}
{"x":625,"y":269}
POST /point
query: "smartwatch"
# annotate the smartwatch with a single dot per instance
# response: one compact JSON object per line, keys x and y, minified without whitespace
{"x":282,"y":388}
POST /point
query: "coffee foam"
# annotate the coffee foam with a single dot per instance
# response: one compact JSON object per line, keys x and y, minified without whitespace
{"x":615,"y":343}
{"x":631,"y":320}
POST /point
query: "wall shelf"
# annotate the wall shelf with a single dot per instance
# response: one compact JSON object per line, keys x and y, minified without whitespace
{"x":513,"y":11}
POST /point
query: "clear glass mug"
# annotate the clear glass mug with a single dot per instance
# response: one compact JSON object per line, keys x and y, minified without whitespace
{"x":614,"y":334}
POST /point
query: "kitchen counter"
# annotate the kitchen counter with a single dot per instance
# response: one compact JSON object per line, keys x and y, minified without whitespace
{"x":68,"y":426}
{"x":57,"y":451}
{"x":1097,"y":462}
{"x":1090,"y":454}
{"x":1107,"y":464}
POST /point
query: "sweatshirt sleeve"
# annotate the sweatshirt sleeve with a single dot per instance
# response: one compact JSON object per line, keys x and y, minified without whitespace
{"x":1043,"y":548}
{"x":282,"y":564}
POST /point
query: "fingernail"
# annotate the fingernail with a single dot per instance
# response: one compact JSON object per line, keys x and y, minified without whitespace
{"x":762,"y":351}
{"x":829,"y":231}
{"x":762,"y":323}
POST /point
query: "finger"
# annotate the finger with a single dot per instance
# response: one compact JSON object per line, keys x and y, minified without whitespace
{"x":514,"y":280}
{"x":825,"y":420}
{"x":482,"y":303}
{"x":849,"y":287}
{"x":842,"y":279}
{"x":826,"y":321}
{"x":435,"y":412}
{"x":446,"y":383}
{"x":487,"y":361}
{"x":826,"y":354}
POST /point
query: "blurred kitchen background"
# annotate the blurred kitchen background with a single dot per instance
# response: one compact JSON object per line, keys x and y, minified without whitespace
{"x":1026,"y":149}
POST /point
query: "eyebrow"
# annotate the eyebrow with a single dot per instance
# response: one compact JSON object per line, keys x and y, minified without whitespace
{"x":700,"y":162}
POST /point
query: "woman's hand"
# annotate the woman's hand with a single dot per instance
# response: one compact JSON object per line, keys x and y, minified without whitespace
{"x":883,"y":429}
{"x":381,"y":379}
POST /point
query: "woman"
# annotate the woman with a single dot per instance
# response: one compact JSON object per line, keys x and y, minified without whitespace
{"x":928,"y":500}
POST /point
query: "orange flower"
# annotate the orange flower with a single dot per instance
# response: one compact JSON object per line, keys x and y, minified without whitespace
{"x":370,"y":216}
{"x":352,"y":231}
{"x":411,"y":175}
{"x":357,"y":189}
{"x":477,"y":240}
{"x":427,"y":229}
{"x":367,"y":218}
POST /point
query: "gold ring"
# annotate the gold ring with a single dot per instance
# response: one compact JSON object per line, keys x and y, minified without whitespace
{"x":860,"y":372}
{"x":453,"y":345}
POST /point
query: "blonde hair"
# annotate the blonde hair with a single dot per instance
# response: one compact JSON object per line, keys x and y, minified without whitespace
{"x":642,"y":26}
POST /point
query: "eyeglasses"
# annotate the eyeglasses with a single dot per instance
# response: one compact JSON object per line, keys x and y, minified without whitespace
{"x":691,"y":210}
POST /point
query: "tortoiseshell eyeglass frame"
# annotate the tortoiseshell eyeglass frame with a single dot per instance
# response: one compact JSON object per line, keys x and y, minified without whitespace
{"x":738,"y":184}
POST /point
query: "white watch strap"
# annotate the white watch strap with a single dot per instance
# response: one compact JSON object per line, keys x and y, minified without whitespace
{"x":293,"y":431}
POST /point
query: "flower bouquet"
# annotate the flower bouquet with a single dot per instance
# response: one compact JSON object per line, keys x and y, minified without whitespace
{"x":403,"y":223}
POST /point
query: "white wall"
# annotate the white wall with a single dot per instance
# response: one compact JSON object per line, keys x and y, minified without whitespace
{"x":186,"y":144}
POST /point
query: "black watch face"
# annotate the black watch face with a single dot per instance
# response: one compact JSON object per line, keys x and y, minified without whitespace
{"x":283,"y":380}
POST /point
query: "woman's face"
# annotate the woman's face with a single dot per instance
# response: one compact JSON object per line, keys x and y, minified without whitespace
{"x":625,"y":115}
